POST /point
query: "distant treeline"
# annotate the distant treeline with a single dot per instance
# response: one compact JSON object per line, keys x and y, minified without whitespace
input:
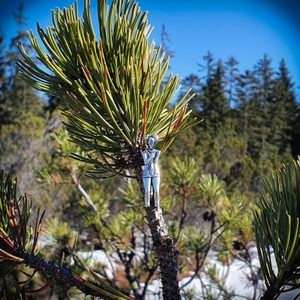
{"x":251,"y":120}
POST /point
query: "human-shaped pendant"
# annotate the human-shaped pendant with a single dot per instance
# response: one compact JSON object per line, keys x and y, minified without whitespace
{"x":151,"y":174}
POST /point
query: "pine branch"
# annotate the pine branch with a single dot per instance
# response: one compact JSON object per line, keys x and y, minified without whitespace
{"x":16,"y":236}
{"x":113,"y":89}
{"x":277,"y":229}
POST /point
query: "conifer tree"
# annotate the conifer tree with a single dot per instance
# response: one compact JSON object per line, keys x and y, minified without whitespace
{"x":245,"y":92}
{"x":231,"y":67}
{"x":260,"y":110}
{"x":214,"y":103}
{"x":209,"y":102}
{"x":113,"y":96}
{"x":209,"y":65}
{"x":277,"y":228}
{"x":284,"y":109}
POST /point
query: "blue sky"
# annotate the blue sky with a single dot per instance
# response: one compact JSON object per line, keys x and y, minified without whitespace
{"x":245,"y":29}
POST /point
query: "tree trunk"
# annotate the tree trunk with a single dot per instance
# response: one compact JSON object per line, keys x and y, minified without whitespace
{"x":166,"y":252}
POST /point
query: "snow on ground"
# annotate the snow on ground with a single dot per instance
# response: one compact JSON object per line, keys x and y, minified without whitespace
{"x":236,"y":276}
{"x":236,"y":280}
{"x":101,"y":257}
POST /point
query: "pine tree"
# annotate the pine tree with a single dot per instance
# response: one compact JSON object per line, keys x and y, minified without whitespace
{"x":214,"y":103}
{"x":231,"y":67}
{"x":284,"y":109}
{"x":277,"y":227}
{"x":260,"y":110}
{"x":113,"y":96}
{"x":245,"y":92}
{"x":210,"y":102}
{"x":208,"y":67}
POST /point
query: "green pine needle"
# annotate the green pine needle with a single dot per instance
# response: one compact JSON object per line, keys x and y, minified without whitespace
{"x":277,"y":227}
{"x":115,"y":89}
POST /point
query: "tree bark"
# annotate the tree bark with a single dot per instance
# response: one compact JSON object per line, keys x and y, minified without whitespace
{"x":166,"y":251}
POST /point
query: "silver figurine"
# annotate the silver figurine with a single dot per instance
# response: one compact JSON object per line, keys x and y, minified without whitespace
{"x":151,"y":174}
